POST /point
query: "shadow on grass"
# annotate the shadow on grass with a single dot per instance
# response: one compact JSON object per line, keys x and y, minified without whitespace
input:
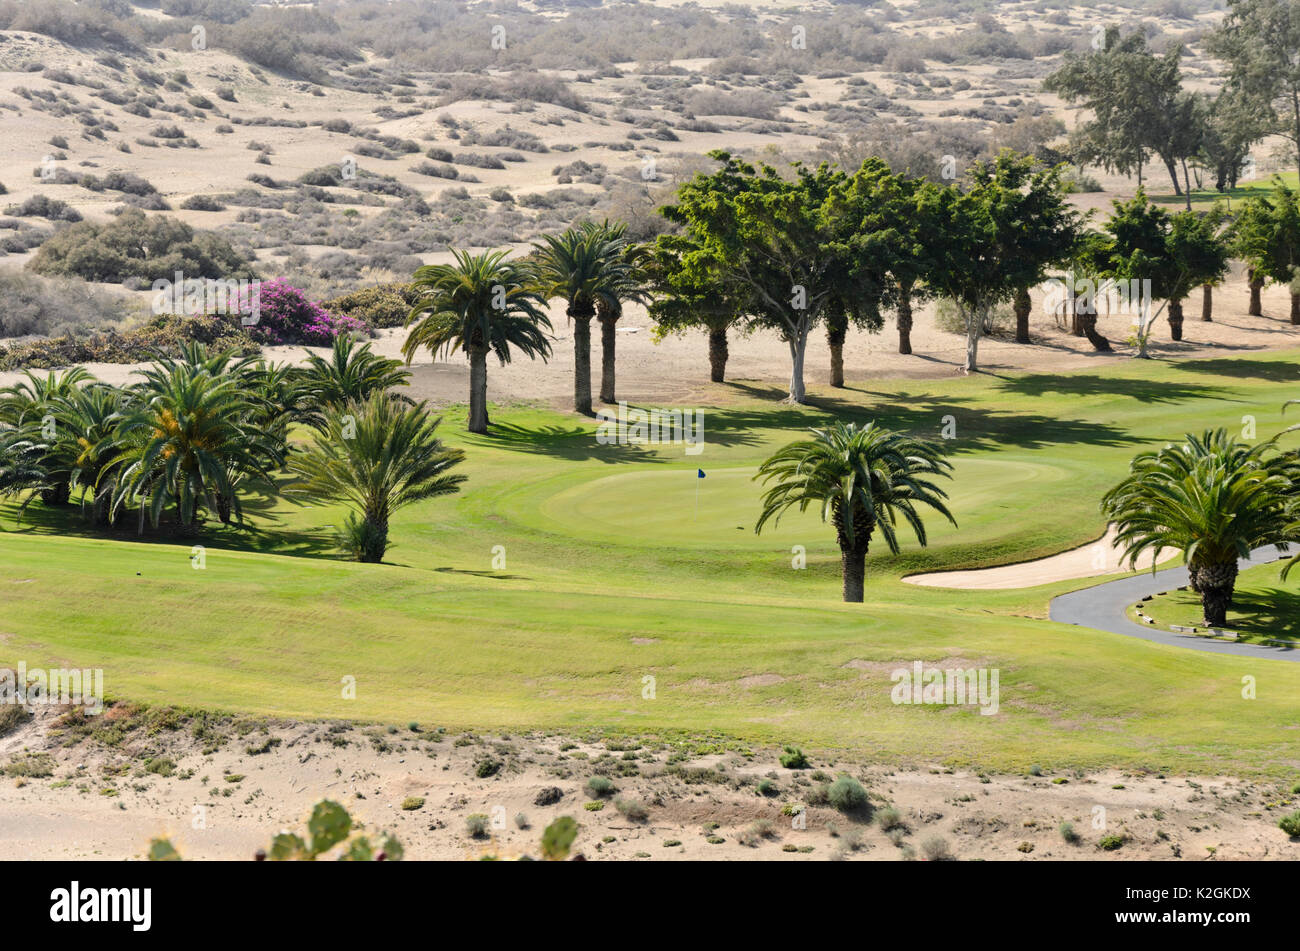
{"x":1271,"y":612}
{"x":1274,"y":371}
{"x":1144,"y":391}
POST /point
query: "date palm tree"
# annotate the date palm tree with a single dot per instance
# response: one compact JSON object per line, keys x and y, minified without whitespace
{"x":377,"y":457}
{"x":188,"y":439}
{"x":861,"y":478}
{"x":32,"y":401}
{"x":351,"y":374}
{"x":585,"y":267}
{"x":482,"y":303}
{"x":22,"y":456}
{"x":1212,"y":497}
{"x":86,"y":442}
{"x":628,"y":282}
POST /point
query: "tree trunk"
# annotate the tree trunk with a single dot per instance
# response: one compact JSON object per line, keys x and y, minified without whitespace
{"x":853,"y":554}
{"x":478,"y":419}
{"x":1088,"y":323}
{"x":1173,"y":174}
{"x":905,"y":320}
{"x":374,"y":537}
{"x":1022,"y":307}
{"x":1295,"y":308}
{"x":798,"y":347}
{"x":607,"y":358}
{"x":1072,"y":302}
{"x":1176,"y":319}
{"x":1207,"y":303}
{"x":582,"y":363}
{"x":224,"y":506}
{"x":835,"y":340}
{"x":1256,"y":285}
{"x":1187,"y":185}
{"x":974,"y":327}
{"x":59,"y":493}
{"x":1216,"y":584}
{"x":717,"y":354}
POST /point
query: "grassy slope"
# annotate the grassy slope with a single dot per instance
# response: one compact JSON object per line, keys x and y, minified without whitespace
{"x":602,"y":546}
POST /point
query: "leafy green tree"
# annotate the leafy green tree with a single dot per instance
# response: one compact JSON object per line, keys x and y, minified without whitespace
{"x":1259,"y":40}
{"x":998,"y":236}
{"x":861,"y":479}
{"x":1213,"y":498}
{"x":377,"y":457}
{"x":587,"y":268}
{"x":685,"y":297}
{"x":1136,"y":102}
{"x":768,"y":241}
{"x":1267,"y":236}
{"x":1230,"y":124}
{"x":481,"y":304}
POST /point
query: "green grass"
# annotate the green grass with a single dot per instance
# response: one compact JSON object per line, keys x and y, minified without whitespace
{"x":1203,"y":198}
{"x":611,"y":578}
{"x":1264,"y":608}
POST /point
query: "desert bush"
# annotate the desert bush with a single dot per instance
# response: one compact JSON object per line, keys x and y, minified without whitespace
{"x":40,"y":306}
{"x":1290,"y":824}
{"x":140,"y":246}
{"x":793,"y":758}
{"x":935,"y":849}
{"x":632,"y":809}
{"x":600,"y":786}
{"x":287,"y":316}
{"x":202,"y":203}
{"x":41,"y":206}
{"x":846,"y":794}
{"x":477,"y":825}
{"x":165,"y":334}
{"x":384,"y":305}
{"x":435,"y":170}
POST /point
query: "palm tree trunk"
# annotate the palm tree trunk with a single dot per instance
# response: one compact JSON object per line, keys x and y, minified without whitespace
{"x":582,"y":363}
{"x":717,"y":354}
{"x":224,"y":507}
{"x":1176,"y":319}
{"x":905,"y":319}
{"x":607,"y":358}
{"x":853,"y":563}
{"x":1216,"y":584}
{"x":1295,"y":308}
{"x":478,"y":421}
{"x":374,"y":539}
{"x":1022,"y":307}
{"x":1207,"y":303}
{"x":1256,"y":285}
{"x":59,"y":493}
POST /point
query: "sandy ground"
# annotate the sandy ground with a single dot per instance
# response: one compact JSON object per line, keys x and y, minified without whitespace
{"x":676,"y":369}
{"x":209,"y":812}
{"x":1101,"y":557}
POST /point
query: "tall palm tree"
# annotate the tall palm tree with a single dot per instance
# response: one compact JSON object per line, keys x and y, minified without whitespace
{"x":188,"y":440}
{"x":351,"y":374}
{"x":1214,"y":498}
{"x":479,"y":304}
{"x":585,"y":267}
{"x":628,"y":282}
{"x":389,"y":457}
{"x":22,"y":457}
{"x":862,"y":478}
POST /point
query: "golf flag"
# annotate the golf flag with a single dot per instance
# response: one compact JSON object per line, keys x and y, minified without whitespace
{"x":699,"y":473}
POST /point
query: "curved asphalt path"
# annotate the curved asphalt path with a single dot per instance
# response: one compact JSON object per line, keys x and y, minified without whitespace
{"x":1103,"y":607}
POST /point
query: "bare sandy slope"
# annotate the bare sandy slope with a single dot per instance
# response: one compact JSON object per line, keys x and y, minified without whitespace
{"x":100,"y":803}
{"x":676,"y":369}
{"x":1101,"y":557}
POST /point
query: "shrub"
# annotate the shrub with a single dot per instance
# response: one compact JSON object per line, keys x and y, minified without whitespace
{"x":12,"y":716}
{"x":768,"y":788}
{"x":41,"y":206}
{"x":1111,"y":842}
{"x":165,"y":334}
{"x":1290,"y":824}
{"x":889,"y":818}
{"x":935,"y":849}
{"x":632,"y":809}
{"x":846,"y":794}
{"x":383,"y":305}
{"x":477,"y":825}
{"x":411,"y":803}
{"x":793,"y":758}
{"x":487,"y":767}
{"x":287,"y":316}
{"x":600,"y":786}
{"x":1068,"y":833}
{"x":202,"y":203}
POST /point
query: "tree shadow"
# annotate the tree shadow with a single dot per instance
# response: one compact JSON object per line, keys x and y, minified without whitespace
{"x":1270,"y":612}
{"x":495,"y":575}
{"x":1083,"y":384}
{"x":1274,"y":371}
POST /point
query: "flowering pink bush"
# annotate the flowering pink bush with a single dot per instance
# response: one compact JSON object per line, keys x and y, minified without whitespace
{"x":287,"y":316}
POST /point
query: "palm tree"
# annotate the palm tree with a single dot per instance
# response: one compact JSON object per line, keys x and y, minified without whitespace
{"x":628,"y":282}
{"x":479,"y":304}
{"x":1212,"y":497}
{"x":86,"y":443}
{"x":189,"y":438}
{"x":350,"y":375}
{"x":861,"y":478}
{"x":32,"y":401}
{"x":586,"y":268}
{"x":376,"y":456}
{"x":22,"y":456}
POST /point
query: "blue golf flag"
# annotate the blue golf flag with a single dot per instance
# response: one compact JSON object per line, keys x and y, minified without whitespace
{"x":699,"y":473}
